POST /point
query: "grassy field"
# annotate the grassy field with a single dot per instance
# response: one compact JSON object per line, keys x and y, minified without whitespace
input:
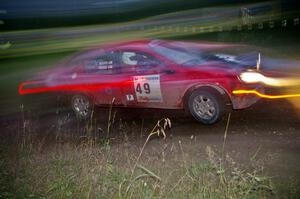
{"x":65,"y":165}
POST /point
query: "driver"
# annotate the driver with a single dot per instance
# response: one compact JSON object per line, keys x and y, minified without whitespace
{"x":129,"y":58}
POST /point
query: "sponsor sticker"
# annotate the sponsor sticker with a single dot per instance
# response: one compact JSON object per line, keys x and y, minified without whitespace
{"x":147,"y":88}
{"x":129,"y":97}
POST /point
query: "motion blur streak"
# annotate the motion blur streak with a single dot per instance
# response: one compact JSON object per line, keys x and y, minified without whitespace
{"x":253,"y":77}
{"x":75,"y":87}
{"x":283,"y":82}
{"x":239,"y":92}
{"x":39,"y":41}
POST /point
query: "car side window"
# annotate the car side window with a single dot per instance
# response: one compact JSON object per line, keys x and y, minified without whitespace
{"x":102,"y":64}
{"x":138,"y":60}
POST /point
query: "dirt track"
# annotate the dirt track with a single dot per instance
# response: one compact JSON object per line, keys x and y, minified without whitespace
{"x":268,"y":132}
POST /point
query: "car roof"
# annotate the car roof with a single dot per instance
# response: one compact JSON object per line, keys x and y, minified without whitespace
{"x":136,"y":44}
{"x":88,"y":52}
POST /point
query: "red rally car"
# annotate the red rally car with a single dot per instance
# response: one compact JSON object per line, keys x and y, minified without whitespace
{"x":154,"y":74}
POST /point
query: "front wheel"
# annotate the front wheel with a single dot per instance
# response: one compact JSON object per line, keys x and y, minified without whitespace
{"x":205,"y":106}
{"x":81,"y":105}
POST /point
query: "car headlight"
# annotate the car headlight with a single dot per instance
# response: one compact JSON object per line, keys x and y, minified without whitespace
{"x":255,"y":77}
{"x":252,"y":77}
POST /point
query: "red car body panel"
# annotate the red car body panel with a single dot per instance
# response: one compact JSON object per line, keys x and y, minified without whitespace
{"x":161,"y":86}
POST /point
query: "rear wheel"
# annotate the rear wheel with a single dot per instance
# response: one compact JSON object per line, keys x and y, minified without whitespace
{"x":206,"y":106}
{"x":82,"y":106}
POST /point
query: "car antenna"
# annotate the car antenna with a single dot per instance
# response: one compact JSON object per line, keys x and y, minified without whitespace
{"x":258,"y":62}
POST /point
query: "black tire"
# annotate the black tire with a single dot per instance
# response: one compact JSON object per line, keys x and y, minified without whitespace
{"x":206,"y":106}
{"x":82,"y":106}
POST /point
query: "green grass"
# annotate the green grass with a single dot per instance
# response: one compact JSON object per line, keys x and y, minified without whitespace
{"x":71,"y":166}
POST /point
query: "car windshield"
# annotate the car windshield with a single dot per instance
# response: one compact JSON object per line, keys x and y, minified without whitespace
{"x":178,"y":55}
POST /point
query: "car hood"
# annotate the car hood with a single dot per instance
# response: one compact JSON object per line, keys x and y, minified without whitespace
{"x":240,"y":62}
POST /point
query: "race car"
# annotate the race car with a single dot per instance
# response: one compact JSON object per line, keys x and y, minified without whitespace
{"x":155,"y":74}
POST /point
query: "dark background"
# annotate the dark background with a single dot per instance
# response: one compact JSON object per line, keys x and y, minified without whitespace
{"x":55,"y":13}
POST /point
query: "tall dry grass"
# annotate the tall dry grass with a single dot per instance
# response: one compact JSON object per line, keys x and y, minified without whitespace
{"x":94,"y":165}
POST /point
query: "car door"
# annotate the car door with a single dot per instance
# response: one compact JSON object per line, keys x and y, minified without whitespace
{"x":148,"y":74}
{"x":102,"y":77}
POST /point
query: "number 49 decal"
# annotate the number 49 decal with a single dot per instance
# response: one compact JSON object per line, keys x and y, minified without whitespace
{"x":147,"y":88}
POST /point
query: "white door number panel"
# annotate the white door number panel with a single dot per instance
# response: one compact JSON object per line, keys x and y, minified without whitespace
{"x":147,"y":88}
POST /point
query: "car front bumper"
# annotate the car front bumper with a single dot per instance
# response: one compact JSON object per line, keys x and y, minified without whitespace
{"x":245,"y":100}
